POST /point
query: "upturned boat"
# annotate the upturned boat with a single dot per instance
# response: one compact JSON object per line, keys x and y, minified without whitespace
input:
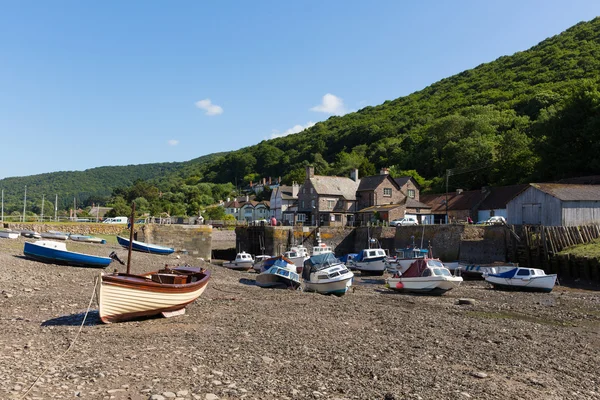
{"x":31,"y":234}
{"x":145,"y":247}
{"x":325,"y":274}
{"x":243,"y":262}
{"x":281,"y":273}
{"x":9,"y":234}
{"x":56,"y":253}
{"x":86,"y":239}
{"x":55,"y":235}
{"x":426,"y":275}
{"x":524,"y":279}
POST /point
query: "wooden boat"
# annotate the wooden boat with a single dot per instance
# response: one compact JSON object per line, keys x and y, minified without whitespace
{"x":477,"y":271}
{"x":525,"y":279}
{"x":31,"y":234}
{"x":281,"y":273}
{"x":56,"y":235}
{"x":426,"y":275}
{"x":325,"y":274}
{"x":243,"y":262}
{"x":125,"y":296}
{"x":56,"y":253}
{"x":145,"y":247}
{"x":86,"y":239}
{"x":9,"y":234}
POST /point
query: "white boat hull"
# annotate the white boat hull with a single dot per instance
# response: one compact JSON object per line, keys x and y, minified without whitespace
{"x":238,"y":265}
{"x":535,"y":283}
{"x":9,"y":235}
{"x":338,"y":287}
{"x":117,"y":302}
{"x":371,"y":267}
{"x":270,"y":280}
{"x":429,"y":284}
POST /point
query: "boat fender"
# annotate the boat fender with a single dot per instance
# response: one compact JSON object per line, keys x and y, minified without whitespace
{"x":399,"y":285}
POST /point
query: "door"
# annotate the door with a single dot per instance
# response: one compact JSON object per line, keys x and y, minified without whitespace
{"x":532,"y":214}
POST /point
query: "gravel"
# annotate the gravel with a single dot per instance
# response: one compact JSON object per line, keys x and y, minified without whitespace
{"x":240,"y":341}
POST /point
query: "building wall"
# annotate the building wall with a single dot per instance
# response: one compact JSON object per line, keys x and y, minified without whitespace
{"x":410,"y":185}
{"x":548,"y":208}
{"x":577,"y":213}
{"x":368,"y":198}
{"x":482,"y":215}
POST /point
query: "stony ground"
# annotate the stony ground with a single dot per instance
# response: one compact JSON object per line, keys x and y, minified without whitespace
{"x":241,"y":341}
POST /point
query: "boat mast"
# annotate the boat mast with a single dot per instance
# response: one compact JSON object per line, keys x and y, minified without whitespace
{"x":131,"y":222}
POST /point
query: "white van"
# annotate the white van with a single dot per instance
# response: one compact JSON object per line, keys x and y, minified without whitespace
{"x":116,"y":220}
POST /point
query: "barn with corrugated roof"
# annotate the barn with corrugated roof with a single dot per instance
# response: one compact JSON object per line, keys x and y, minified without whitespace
{"x":555,"y":204}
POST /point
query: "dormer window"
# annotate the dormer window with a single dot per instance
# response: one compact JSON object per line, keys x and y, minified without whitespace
{"x":387,"y":192}
{"x":411,"y":193}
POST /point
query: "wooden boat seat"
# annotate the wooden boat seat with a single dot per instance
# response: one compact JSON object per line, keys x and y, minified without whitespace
{"x":174,"y":279}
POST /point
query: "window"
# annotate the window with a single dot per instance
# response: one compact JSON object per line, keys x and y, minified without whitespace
{"x":302,"y":203}
{"x":387,"y":192}
{"x":523,"y":272}
{"x":311,"y":191}
{"x":338,"y":218}
{"x":312,"y":203}
{"x":301,"y":217}
{"x":303,"y":190}
{"x":330,"y":204}
{"x":411,"y":193}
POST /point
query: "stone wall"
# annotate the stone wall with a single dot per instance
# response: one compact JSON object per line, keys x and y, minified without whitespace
{"x":195,"y":239}
{"x":89,"y":228}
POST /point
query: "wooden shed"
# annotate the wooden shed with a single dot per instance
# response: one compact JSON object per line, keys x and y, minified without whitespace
{"x":555,"y":204}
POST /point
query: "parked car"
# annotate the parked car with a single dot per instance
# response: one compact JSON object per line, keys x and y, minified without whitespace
{"x":497,"y":220}
{"x":406,"y":221}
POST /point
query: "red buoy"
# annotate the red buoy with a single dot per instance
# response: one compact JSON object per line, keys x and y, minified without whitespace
{"x":399,"y":285}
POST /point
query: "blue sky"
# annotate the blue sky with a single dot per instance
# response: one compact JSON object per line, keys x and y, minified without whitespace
{"x":86,"y":84}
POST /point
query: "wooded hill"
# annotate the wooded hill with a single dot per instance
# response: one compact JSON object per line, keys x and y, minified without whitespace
{"x":531,"y":116}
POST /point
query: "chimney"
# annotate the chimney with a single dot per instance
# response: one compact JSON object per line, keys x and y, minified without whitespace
{"x":310,"y":171}
{"x":269,"y":181}
{"x":459,"y":191}
{"x":264,"y":181}
{"x":228,"y":199}
{"x":250,"y":183}
{"x":295,"y":189}
{"x":354,"y":174}
{"x":384,"y":171}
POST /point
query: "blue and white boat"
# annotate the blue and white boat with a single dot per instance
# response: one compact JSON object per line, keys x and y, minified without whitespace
{"x":526,"y":279}
{"x":282,"y":273}
{"x":56,"y":253}
{"x":145,"y":247}
{"x":479,"y":271}
{"x":404,"y":258}
{"x":325,"y":274}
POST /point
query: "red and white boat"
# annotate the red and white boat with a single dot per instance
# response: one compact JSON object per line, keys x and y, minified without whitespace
{"x":425,"y":275}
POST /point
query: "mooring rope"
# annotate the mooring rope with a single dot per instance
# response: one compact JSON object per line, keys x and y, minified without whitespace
{"x":70,"y":346}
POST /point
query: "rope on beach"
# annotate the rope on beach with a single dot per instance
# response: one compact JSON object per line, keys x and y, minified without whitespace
{"x":70,"y":346}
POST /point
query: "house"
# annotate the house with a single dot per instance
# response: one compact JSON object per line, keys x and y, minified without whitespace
{"x":555,"y":204}
{"x":233,"y":207}
{"x":253,"y":210}
{"x":413,"y":206}
{"x":495,"y":201}
{"x":457,"y":205}
{"x":327,"y":200}
{"x":283,"y":198}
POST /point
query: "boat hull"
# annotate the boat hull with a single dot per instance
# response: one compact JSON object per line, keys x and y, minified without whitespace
{"x":534,"y":284}
{"x":268,"y":279}
{"x":477,"y":272}
{"x":9,"y":235}
{"x":124,"y":297}
{"x":338,"y":288}
{"x":86,"y":239}
{"x":49,"y":252}
{"x":54,"y":235}
{"x":430,"y":285}
{"x":371,"y":267}
{"x":239,"y":266}
{"x":145,"y":247}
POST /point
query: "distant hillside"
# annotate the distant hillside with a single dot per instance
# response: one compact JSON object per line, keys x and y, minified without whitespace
{"x":504,"y":120}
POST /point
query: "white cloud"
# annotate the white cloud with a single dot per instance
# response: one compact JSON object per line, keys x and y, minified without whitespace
{"x":173,"y":142}
{"x":294,"y":129}
{"x":209,"y":107}
{"x":331,"y":104}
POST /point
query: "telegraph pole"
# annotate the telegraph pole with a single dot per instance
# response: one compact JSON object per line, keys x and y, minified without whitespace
{"x":24,"y":203}
{"x":43,"y":208}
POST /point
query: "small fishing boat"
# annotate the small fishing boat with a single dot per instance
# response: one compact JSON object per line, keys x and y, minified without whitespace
{"x":145,"y":247}
{"x":371,"y":261}
{"x":31,"y":234}
{"x":259,"y":262}
{"x":297,"y":255}
{"x":281,"y":273}
{"x":125,"y":296}
{"x":56,"y":253}
{"x":325,"y":274}
{"x":525,"y":279}
{"x":405,"y":257}
{"x":56,"y":235}
{"x":86,"y":239}
{"x":478,"y":271}
{"x":320,"y":247}
{"x":9,"y":234}
{"x":426,"y":275}
{"x":243,"y":262}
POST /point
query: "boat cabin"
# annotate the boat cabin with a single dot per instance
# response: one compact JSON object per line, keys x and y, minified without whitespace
{"x":371,"y":255}
{"x":411,"y":253}
{"x":321,"y":248}
{"x":243,"y":257}
{"x":426,"y":267}
{"x":521,"y":273}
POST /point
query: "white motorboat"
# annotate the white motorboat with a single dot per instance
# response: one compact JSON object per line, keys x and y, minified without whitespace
{"x":9,"y":234}
{"x":370,"y":262}
{"x":297,"y":255}
{"x":86,"y":239}
{"x":321,"y":248}
{"x":325,"y":274}
{"x":478,"y":271}
{"x":426,"y":275}
{"x":243,"y":262}
{"x":281,"y":273}
{"x":404,"y":258}
{"x":56,"y":235}
{"x":526,"y":279}
{"x":259,"y":262}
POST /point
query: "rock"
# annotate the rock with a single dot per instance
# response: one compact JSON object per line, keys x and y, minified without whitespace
{"x":462,"y":302}
{"x":389,"y":396}
{"x":182,"y":393}
{"x":465,"y":395}
{"x":217,"y":383}
{"x":28,"y":290}
{"x":211,"y":396}
{"x":157,"y":397}
{"x":267,"y":360}
{"x":111,"y":391}
{"x":220,"y":373}
{"x":8,"y":295}
{"x":169,"y":395}
{"x":479,"y":374}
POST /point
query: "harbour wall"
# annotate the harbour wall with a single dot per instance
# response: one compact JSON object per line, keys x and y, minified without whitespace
{"x":194,"y":239}
{"x":75,"y":228}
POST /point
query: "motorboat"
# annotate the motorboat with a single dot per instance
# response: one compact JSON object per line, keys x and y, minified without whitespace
{"x":123,"y":296}
{"x":347,"y":260}
{"x":259,"y":262}
{"x":297,"y":255}
{"x":425,"y":275}
{"x":325,"y":274}
{"x":9,"y":234}
{"x":370,"y":261}
{"x":145,"y":247}
{"x":243,"y":262}
{"x":525,"y":279}
{"x":404,"y":258}
{"x":56,"y":235}
{"x":477,"y":271}
{"x":56,"y":253}
{"x":281,"y":273}
{"x":86,"y":239}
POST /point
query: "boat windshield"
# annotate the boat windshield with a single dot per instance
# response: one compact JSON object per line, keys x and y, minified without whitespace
{"x":441,"y":272}
{"x":435,"y":263}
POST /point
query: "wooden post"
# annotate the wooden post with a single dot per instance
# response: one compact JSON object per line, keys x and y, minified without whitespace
{"x":131,"y":222}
